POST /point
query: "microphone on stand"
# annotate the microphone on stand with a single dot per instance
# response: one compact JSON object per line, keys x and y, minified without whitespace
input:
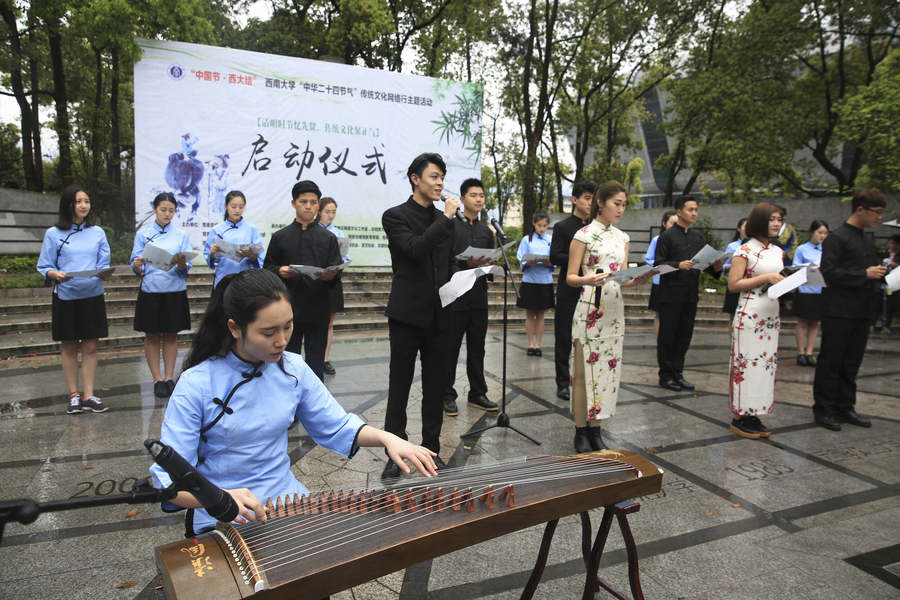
{"x":217,"y":502}
{"x":496,"y":225}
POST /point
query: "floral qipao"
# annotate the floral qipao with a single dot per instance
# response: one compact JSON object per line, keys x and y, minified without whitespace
{"x":598,"y":331}
{"x":754,"y":335}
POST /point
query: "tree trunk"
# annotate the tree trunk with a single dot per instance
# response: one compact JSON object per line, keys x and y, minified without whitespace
{"x":96,"y":151}
{"x":61,"y":99}
{"x":556,"y":170}
{"x":115,"y":151}
{"x":6,"y":12}
{"x":36,"y":127}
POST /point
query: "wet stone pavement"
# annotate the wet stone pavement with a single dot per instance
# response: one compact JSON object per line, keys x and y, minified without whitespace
{"x":809,"y":513}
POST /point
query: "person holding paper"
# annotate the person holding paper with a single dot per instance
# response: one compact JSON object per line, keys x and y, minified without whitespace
{"x":304,"y":242}
{"x":420,"y":240}
{"x":807,"y":301}
{"x":669,"y":219}
{"x":598,"y":328}
{"x":891,"y":297}
{"x":78,"y":309}
{"x":852,"y":272}
{"x":754,"y":331}
{"x":536,"y":291}
{"x":786,"y":238}
{"x":729,"y":305}
{"x":678,"y":296}
{"x":325,"y":218}
{"x":236,"y":230}
{"x":469,"y":312}
{"x":566,"y":295}
{"x":162,"y":306}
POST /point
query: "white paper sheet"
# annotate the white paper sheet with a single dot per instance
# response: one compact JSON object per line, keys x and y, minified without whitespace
{"x":626,"y":275}
{"x":814,"y":275}
{"x":230,"y":249}
{"x":462,"y":282}
{"x":787,"y":284}
{"x":343,"y":245}
{"x":892,"y":223}
{"x":311,"y":271}
{"x":91,"y":272}
{"x":162,"y":259}
{"x":531,"y":257}
{"x":707,"y":256}
{"x":479,"y":253}
{"x":892,"y":280}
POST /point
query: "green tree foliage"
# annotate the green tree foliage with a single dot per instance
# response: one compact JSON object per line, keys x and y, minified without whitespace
{"x":11,"y":174}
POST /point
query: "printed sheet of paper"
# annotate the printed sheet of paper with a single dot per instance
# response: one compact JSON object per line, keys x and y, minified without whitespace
{"x":311,"y":271}
{"x":462,"y":282}
{"x":626,"y":275}
{"x":892,"y":280}
{"x":343,"y":245}
{"x":91,"y":273}
{"x":162,"y":259}
{"x":479,"y":253}
{"x":531,"y":257}
{"x":230,"y":250}
{"x":814,"y":275}
{"x":892,"y":223}
{"x":788,"y":284}
{"x":707,"y":256}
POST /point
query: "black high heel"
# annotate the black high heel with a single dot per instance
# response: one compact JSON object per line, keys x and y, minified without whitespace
{"x":583,"y":440}
{"x":596,"y":439}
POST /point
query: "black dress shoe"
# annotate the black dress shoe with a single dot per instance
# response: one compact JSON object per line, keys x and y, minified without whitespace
{"x":439,"y":463}
{"x":685,"y":385}
{"x":828,"y":422}
{"x":563,"y":394}
{"x":670,"y":384}
{"x":329,"y":368}
{"x":391,"y":471}
{"x":854,"y":418}
{"x":538,"y":352}
{"x":801,"y":360}
{"x":160,"y":389}
{"x":530,"y":352}
{"x":450,"y":408}
{"x":170,"y":387}
{"x":594,"y":435}
{"x":483,"y":403}
{"x":583,"y":440}
{"x":743,"y":427}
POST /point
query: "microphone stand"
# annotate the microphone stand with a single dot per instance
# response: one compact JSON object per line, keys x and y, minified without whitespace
{"x":26,"y":511}
{"x":502,"y":417}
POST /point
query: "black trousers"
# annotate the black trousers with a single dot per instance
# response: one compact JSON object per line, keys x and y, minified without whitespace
{"x":473,"y":325}
{"x":313,"y":337}
{"x":562,"y":331}
{"x":431,"y":345}
{"x":676,"y":328}
{"x":843,"y":345}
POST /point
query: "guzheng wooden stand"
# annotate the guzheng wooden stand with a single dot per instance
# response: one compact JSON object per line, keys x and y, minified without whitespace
{"x":593,"y":554}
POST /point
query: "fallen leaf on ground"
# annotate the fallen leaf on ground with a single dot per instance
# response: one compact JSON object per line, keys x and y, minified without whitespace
{"x":736,"y":505}
{"x":125,"y":585}
{"x":650,"y":449}
{"x":86,"y":468}
{"x":131,"y":513}
{"x":710,"y":513}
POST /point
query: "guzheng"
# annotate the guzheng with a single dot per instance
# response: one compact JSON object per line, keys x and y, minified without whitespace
{"x":320,"y":544}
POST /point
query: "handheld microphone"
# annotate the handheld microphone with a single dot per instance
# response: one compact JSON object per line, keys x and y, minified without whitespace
{"x":217,"y":502}
{"x":459,"y":213}
{"x":496,"y":225}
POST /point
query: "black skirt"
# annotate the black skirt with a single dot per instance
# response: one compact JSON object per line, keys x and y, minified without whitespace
{"x":807,"y":306}
{"x":653,"y":303}
{"x":535,"y":296}
{"x":336,"y":296}
{"x":76,"y":320}
{"x":167,"y":312}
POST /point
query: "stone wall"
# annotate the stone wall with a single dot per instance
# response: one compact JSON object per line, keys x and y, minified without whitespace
{"x":24,"y":217}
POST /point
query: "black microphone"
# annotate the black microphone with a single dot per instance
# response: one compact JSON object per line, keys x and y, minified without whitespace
{"x":496,"y":225}
{"x":459,"y":213}
{"x":217,"y":502}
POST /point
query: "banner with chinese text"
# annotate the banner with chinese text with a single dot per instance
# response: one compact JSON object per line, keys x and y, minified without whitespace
{"x":208,"y":120}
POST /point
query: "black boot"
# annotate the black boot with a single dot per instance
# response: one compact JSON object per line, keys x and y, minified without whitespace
{"x":595,"y":438}
{"x":582,"y":440}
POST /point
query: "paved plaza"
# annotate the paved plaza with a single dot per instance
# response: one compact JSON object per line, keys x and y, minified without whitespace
{"x":807,"y":514}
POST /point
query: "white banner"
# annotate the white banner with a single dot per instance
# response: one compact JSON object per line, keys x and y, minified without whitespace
{"x":208,"y":120}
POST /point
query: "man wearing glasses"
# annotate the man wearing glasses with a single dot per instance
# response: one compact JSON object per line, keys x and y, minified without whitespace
{"x":852,"y":270}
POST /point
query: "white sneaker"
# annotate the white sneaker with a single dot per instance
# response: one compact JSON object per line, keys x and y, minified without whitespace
{"x":75,"y":405}
{"x":94,"y":404}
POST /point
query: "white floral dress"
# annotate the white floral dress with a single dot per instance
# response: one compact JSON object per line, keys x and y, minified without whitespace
{"x":598,"y":331}
{"x":754,"y":335}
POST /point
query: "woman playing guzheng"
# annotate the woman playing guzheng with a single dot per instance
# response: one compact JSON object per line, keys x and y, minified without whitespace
{"x":240,"y":392}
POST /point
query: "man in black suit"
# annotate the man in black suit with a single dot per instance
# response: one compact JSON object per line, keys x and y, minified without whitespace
{"x":567,"y":296}
{"x":469,"y":312}
{"x":420,"y":239}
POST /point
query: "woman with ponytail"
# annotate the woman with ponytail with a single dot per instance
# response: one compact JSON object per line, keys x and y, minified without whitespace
{"x":239,"y":393}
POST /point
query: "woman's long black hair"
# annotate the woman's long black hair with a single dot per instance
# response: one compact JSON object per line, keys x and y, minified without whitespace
{"x":67,"y":208}
{"x":239,"y":297}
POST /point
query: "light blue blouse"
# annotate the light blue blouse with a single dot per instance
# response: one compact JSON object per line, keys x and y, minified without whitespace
{"x":170,"y":239}
{"x":241,"y":232}
{"x":732,"y":248}
{"x":650,"y":256}
{"x":248,"y":448}
{"x":540,"y":245}
{"x":808,"y":253}
{"x":77,"y":248}
{"x":338,"y":233}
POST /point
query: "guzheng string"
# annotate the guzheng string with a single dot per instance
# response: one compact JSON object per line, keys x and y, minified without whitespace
{"x":308,"y":533}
